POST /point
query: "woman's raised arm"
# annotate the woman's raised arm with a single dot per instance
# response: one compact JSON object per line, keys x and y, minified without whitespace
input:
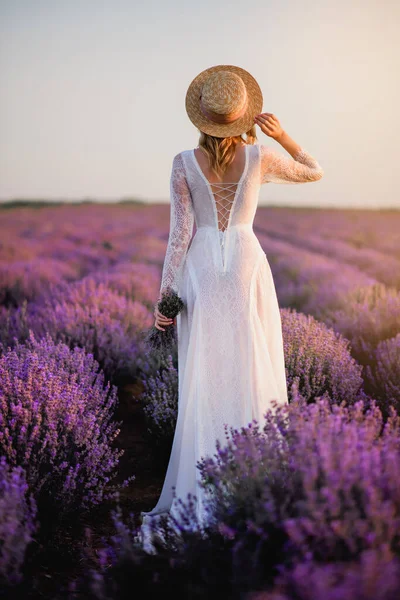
{"x":278,"y":168}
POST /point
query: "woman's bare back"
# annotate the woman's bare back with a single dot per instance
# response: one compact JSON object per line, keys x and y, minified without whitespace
{"x":232,"y":173}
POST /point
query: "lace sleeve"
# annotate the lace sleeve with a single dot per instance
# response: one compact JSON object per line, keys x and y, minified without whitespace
{"x":181,"y":227}
{"x":278,"y":168}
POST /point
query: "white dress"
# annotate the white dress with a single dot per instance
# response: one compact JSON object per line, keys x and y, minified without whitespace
{"x":230,"y":348}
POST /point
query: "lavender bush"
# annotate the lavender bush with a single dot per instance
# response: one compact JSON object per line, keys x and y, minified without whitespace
{"x":17,"y":522}
{"x":136,"y":280}
{"x":358,"y":228}
{"x":30,"y":280}
{"x":318,"y":359}
{"x":160,"y":400}
{"x":374,"y":263}
{"x":369,"y":315}
{"x":375,"y":576}
{"x":89,"y":315}
{"x":13,"y":325}
{"x":270,"y":511}
{"x":84,"y":237}
{"x":383,"y":375}
{"x":186,"y":566}
{"x":340,"y":501}
{"x":309,"y":282}
{"x":56,"y":423}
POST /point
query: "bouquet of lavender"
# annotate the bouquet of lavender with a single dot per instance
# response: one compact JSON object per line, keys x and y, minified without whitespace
{"x":163,"y":341}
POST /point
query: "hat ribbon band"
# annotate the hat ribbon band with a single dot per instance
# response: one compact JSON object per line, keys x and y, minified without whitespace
{"x":223,"y":118}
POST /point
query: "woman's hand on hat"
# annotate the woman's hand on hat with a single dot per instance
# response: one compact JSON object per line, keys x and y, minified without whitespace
{"x":269,"y":124}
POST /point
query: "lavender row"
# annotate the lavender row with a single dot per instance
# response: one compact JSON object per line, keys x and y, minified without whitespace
{"x":305,"y":505}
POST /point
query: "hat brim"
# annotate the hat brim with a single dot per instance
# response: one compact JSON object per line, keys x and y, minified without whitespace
{"x":241,"y":125}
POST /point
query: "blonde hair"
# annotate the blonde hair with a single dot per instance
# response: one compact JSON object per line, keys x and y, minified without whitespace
{"x":221,"y":151}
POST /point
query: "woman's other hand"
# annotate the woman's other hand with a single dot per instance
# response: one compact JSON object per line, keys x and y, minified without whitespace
{"x":161,"y":320}
{"x":269,"y":124}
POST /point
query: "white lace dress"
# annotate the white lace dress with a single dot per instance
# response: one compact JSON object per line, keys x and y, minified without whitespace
{"x":230,"y":348}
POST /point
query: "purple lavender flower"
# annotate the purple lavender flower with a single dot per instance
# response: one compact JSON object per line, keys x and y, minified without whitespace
{"x":56,"y":421}
{"x":318,"y":359}
{"x":306,"y":503}
{"x":369,"y":315}
{"x":383,"y":374}
{"x":92,"y":316}
{"x":309,"y":282}
{"x":342,"y":499}
{"x":163,"y":342}
{"x":30,"y":280}
{"x":136,"y":280}
{"x":160,"y":400}
{"x":375,"y":576}
{"x":17,"y":522}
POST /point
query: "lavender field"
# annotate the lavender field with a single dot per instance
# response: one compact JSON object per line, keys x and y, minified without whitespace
{"x":305,"y":507}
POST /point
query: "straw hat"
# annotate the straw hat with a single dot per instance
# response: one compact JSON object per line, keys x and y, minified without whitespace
{"x":223,"y":100}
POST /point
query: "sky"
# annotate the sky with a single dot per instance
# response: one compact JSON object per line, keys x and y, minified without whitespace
{"x":92,"y":101}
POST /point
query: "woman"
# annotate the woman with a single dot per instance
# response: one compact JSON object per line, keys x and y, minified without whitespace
{"x":230,"y":348}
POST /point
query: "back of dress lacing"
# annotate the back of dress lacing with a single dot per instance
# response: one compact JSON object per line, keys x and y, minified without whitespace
{"x":224,"y":193}
{"x":274,"y":167}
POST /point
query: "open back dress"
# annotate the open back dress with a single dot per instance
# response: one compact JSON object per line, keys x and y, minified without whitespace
{"x":230,"y":347}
